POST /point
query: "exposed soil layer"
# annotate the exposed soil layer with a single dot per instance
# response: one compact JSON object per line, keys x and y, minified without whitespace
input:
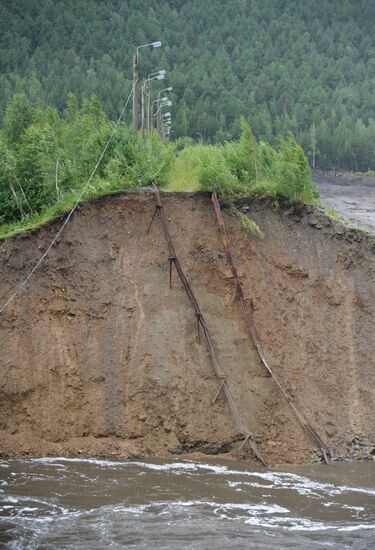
{"x":99,"y":356}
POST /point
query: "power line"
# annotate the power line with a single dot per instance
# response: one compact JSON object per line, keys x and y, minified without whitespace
{"x":46,"y":252}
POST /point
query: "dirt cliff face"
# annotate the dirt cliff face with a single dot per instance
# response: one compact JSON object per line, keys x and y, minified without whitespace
{"x":100,"y":356}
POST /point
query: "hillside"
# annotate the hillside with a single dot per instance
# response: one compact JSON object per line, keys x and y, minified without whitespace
{"x":286,"y":65}
{"x":100,"y":357}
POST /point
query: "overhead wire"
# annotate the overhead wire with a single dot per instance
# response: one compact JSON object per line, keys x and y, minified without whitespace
{"x":73,"y":209}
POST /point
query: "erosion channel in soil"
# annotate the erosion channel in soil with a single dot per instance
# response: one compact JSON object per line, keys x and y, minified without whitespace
{"x":100,"y":357}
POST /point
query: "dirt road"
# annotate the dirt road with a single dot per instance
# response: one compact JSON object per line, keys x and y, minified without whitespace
{"x":351,"y":195}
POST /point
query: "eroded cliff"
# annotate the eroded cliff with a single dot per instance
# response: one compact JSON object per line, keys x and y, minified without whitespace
{"x":100,"y":356}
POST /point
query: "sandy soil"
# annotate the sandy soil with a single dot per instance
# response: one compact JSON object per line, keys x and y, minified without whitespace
{"x":351,"y":195}
{"x":100,"y":357}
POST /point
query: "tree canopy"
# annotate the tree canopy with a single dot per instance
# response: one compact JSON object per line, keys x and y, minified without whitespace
{"x":286,"y":65}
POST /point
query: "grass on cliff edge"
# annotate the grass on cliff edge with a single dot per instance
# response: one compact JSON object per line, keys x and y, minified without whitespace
{"x":236,"y":170}
{"x":36,"y":220}
{"x":182,"y":178}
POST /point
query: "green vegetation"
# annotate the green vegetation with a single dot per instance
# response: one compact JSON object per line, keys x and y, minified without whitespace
{"x":332,"y":213}
{"x":287,"y":65}
{"x":46,"y":161}
{"x":184,"y":174}
{"x":245,"y":167}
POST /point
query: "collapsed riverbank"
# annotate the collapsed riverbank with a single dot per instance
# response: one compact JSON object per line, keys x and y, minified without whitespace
{"x":101,"y":357}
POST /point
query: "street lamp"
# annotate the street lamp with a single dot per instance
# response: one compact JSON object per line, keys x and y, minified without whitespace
{"x":158,"y":120}
{"x":154,"y":110}
{"x":165,"y":124}
{"x":166,"y":130}
{"x":135,"y":79}
{"x":162,"y":104}
{"x":170,"y":89}
{"x":157,"y":72}
{"x":165,"y":104}
{"x":167,"y":118}
{"x":158,"y":75}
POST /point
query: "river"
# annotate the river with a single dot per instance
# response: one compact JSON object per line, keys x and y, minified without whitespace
{"x":92,"y":503}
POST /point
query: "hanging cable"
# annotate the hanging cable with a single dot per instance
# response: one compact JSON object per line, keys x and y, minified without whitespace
{"x":48,"y":249}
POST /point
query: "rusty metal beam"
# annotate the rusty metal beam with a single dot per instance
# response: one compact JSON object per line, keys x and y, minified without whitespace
{"x":254,"y":335}
{"x":201,"y":323}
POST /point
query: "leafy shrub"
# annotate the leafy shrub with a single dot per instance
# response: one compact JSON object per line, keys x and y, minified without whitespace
{"x":11,"y":199}
{"x":45,"y":159}
{"x":36,"y":160}
{"x":245,"y":167}
{"x":293,"y":173}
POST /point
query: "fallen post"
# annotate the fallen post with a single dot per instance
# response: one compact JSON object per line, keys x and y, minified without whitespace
{"x":201,"y":323}
{"x":254,"y":335}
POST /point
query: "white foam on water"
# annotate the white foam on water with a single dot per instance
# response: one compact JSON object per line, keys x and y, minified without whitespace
{"x":259,"y":515}
{"x":278,"y":480}
{"x":176,"y":467}
{"x":197,"y":507}
{"x":302,"y":485}
{"x":355,"y":508}
{"x":303,"y":524}
{"x":13,"y":500}
{"x":181,"y":467}
{"x":172,"y":466}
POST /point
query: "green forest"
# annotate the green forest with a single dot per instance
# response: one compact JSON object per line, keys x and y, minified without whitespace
{"x":286,"y":66}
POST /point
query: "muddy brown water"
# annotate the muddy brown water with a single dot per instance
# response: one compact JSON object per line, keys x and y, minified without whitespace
{"x":92,"y":503}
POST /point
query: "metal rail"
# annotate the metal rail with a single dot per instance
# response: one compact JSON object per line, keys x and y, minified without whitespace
{"x":254,"y":335}
{"x":201,"y":323}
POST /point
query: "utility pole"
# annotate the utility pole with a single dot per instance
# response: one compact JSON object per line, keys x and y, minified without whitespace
{"x":135,"y":94}
{"x":148,"y":109}
{"x":149,"y":112}
{"x":146,"y":98}
{"x":143,"y":110}
{"x":135,"y":80}
{"x":313,"y":144}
